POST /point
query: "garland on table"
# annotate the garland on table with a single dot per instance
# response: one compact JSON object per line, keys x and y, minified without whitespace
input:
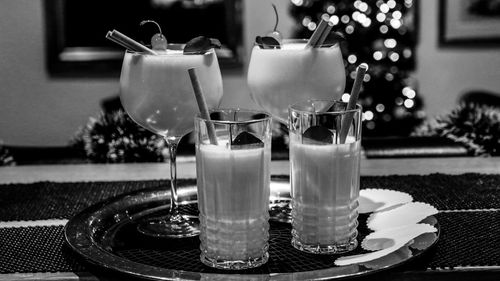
{"x":475,"y":126}
{"x":6,"y":158}
{"x":115,"y":138}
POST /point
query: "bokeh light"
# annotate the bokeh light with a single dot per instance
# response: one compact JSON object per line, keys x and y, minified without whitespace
{"x":381,"y":17}
{"x":334,"y":19}
{"x":384,"y":8}
{"x":352,"y":59}
{"x":384,"y":29}
{"x":306,"y":21}
{"x":395,"y":23}
{"x":409,"y":103}
{"x":345,"y":97}
{"x":368,"y":115}
{"x":390,"y":43}
{"x":377,"y":55}
{"x":311,"y":26}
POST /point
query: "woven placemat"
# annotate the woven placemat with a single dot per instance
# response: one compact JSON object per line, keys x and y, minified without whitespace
{"x":36,"y":249}
{"x":51,"y":200}
{"x":445,"y":192}
{"x":467,"y":239}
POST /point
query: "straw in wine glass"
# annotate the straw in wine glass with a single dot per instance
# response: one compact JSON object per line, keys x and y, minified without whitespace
{"x":317,"y":34}
{"x":128,"y":42}
{"x":325,"y":33}
{"x":202,"y":104}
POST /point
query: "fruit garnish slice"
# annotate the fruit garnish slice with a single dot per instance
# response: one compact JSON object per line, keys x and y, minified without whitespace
{"x":267,"y":42}
{"x":246,"y":140}
{"x":273,"y":38}
{"x":333,"y":38}
{"x":200,"y":45}
{"x":258,"y":41}
{"x":318,"y":135}
{"x":158,"y":41}
{"x":275,"y":33}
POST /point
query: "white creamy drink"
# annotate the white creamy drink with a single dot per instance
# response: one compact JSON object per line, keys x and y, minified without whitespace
{"x":280,"y":77}
{"x":233,"y":198}
{"x":325,"y":189}
{"x":150,"y":83}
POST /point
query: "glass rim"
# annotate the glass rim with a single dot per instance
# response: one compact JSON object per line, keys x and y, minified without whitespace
{"x":227,"y":122}
{"x":300,"y":40}
{"x":172,"y":47}
{"x":293,"y":107}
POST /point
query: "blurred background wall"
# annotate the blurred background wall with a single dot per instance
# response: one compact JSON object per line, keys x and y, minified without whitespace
{"x":36,"y":110}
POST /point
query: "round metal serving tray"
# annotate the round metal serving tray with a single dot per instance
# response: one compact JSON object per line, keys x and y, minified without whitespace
{"x":105,"y":235}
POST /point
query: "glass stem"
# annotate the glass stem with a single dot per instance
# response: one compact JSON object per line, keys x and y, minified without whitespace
{"x":172,"y":148}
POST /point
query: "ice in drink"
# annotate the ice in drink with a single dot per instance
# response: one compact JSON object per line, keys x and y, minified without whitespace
{"x":233,"y":193}
{"x":325,"y":189}
{"x":157,"y":93}
{"x":280,"y":77}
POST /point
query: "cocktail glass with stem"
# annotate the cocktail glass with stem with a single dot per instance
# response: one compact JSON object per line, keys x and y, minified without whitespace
{"x":156,"y":92}
{"x":292,"y":73}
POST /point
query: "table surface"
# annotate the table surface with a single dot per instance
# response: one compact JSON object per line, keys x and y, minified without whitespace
{"x":186,"y":169}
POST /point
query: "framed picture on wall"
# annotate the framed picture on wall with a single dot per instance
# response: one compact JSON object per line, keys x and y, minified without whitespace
{"x":469,"y":22}
{"x":76,"y":29}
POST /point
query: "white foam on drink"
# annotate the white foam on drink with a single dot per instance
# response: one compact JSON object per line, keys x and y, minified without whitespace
{"x":167,"y":52}
{"x":293,"y":46}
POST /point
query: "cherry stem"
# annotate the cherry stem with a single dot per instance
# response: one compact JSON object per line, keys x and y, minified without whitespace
{"x":151,"y":21}
{"x":277,"y":17}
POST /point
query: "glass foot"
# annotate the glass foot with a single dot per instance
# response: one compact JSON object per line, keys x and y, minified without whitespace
{"x":234,"y":265}
{"x":170,"y":227}
{"x":338,"y":248}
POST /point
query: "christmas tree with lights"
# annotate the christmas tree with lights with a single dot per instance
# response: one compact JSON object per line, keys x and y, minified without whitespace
{"x":381,"y":33}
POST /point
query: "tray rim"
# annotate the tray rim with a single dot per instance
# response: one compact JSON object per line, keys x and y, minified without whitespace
{"x":76,"y":230}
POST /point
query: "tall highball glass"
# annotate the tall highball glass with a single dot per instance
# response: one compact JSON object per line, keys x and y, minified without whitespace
{"x":324,"y":171}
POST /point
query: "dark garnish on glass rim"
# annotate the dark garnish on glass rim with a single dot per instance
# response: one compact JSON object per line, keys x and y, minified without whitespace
{"x":246,"y":140}
{"x":267,"y":42}
{"x":273,"y":39}
{"x":333,"y":38}
{"x":275,"y":33}
{"x":200,"y":45}
{"x":317,"y":135}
